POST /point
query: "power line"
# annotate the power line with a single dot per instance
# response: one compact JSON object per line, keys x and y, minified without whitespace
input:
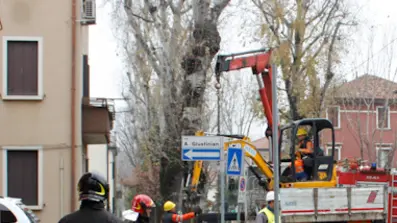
{"x":373,"y":55}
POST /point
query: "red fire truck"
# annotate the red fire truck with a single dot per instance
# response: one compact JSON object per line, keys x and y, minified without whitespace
{"x":365,"y":193}
{"x":356,"y":173}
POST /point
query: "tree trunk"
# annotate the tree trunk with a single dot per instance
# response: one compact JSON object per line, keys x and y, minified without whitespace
{"x":202,"y":47}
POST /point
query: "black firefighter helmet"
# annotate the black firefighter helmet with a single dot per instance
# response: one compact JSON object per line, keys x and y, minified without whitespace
{"x":93,"y":186}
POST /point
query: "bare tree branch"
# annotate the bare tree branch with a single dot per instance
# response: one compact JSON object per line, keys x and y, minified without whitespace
{"x":307,"y":33}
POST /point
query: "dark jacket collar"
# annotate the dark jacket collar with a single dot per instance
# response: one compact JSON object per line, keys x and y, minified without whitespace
{"x":92,"y":204}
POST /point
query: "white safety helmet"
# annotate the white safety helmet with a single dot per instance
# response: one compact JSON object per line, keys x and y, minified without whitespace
{"x":270,"y":196}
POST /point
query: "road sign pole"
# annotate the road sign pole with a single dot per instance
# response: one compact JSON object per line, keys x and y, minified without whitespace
{"x":235,"y":166}
{"x":238,"y":212}
{"x":238,"y":201}
{"x":180,"y":200}
{"x":276,"y":152}
{"x":245,"y":191}
{"x":245,"y":201}
{"x":222,"y":173}
{"x":241,"y":194}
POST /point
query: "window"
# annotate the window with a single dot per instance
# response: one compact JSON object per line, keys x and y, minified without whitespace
{"x":86,"y":77}
{"x":333,"y":114}
{"x":20,"y":183}
{"x":383,"y":156}
{"x":286,"y":143}
{"x":22,"y":68}
{"x":338,"y":152}
{"x":382,"y":117}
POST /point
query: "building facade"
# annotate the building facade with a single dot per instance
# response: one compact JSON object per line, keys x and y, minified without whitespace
{"x":97,"y":156}
{"x":45,"y":109}
{"x":364,"y":115}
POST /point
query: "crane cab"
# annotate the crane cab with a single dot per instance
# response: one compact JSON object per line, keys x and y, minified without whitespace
{"x":319,"y":167}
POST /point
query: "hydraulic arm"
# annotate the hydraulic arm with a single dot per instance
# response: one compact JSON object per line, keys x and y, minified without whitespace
{"x":320,"y":168}
{"x":259,"y":62}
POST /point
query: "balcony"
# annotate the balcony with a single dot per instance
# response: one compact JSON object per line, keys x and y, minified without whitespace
{"x":97,"y":121}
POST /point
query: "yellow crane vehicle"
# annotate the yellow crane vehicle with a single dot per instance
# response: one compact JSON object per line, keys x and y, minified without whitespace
{"x":320,"y":168}
{"x":319,"y":197}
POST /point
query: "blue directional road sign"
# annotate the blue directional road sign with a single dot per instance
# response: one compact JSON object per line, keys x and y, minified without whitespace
{"x":234,"y":161}
{"x":205,"y":148}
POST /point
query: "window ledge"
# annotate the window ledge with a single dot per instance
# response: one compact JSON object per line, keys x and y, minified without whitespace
{"x":35,"y":207}
{"x":23,"y":97}
{"x":383,"y":129}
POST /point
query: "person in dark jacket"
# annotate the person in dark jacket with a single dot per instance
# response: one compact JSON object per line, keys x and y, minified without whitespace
{"x":170,"y":215}
{"x":140,"y":210}
{"x":93,"y":191}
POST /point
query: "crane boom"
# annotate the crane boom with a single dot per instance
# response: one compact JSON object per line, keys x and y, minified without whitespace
{"x":259,"y":62}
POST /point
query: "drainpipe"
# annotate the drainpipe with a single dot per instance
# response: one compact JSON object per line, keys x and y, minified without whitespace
{"x":73,"y":108}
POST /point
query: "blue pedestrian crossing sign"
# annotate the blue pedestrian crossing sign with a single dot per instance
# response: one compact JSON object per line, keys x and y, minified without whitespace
{"x":234,"y":161}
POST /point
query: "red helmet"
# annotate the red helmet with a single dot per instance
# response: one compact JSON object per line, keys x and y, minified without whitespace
{"x":141,"y":202}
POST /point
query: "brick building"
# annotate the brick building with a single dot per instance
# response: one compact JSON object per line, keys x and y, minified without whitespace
{"x":364,"y":114}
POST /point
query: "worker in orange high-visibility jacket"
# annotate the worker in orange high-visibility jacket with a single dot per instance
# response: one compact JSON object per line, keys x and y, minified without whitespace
{"x":170,"y":215}
{"x":299,"y":168}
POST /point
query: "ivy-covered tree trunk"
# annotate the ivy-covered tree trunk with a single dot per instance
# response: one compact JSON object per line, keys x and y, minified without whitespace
{"x":202,"y":46}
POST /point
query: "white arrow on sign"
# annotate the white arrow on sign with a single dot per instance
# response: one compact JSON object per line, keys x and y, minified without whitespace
{"x":210,"y":154}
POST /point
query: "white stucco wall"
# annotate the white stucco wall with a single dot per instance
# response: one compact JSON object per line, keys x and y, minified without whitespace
{"x":98,"y":162}
{"x":97,"y":159}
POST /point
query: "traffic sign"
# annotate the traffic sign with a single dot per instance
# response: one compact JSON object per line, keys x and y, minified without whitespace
{"x":234,"y":161}
{"x":206,"y":148}
{"x":242,"y":184}
{"x":241,"y":198}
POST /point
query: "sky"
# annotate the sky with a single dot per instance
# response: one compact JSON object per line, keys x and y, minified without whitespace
{"x":378,"y":16}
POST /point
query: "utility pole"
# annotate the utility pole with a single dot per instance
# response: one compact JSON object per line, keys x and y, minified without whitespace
{"x":276,"y":153}
{"x":218,"y":94}
{"x":222,"y":162}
